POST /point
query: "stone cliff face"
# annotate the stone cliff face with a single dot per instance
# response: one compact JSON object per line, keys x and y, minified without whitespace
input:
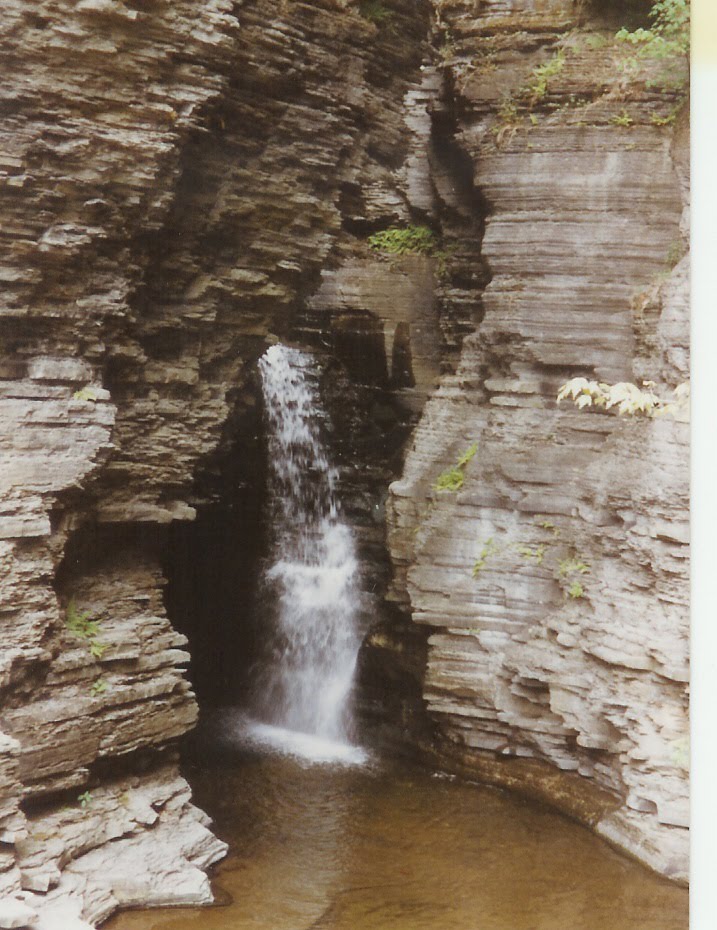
{"x":553,"y":583}
{"x":175,"y":177}
{"x":184,"y":181}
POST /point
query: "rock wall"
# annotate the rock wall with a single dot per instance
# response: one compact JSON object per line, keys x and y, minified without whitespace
{"x":552,"y":583}
{"x":185,"y":180}
{"x":176,"y":173}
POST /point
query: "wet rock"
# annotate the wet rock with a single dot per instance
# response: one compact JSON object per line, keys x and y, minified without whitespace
{"x":553,"y":582}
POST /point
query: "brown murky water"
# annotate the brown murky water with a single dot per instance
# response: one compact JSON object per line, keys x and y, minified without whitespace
{"x":377,"y":848}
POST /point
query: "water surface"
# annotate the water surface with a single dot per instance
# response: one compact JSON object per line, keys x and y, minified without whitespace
{"x":370,"y":847}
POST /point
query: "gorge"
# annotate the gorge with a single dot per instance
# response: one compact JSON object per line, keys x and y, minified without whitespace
{"x":451,"y":208}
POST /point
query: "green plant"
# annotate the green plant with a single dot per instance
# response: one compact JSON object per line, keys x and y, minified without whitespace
{"x":374,"y":11}
{"x":98,"y":687}
{"x":86,"y":394}
{"x":83,"y":626}
{"x":546,"y":524}
{"x":509,"y":120}
{"x":576,"y":590}
{"x":85,"y":799}
{"x":467,"y":455}
{"x":669,"y":34}
{"x":489,"y":549}
{"x":534,"y":555}
{"x":668,"y":40}
{"x":537,"y":86}
{"x":658,"y":120}
{"x":622,"y":119}
{"x":452,"y":478}
{"x":627,"y":397}
{"x":571,"y":565}
{"x":409,"y":240}
{"x":449,"y":480}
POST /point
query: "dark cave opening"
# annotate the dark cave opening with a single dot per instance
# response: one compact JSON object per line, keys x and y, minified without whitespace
{"x":212,"y":563}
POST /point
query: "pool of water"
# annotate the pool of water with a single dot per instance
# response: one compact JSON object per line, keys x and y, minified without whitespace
{"x":373,"y":846}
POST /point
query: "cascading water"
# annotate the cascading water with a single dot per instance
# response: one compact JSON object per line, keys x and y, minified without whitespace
{"x":310,"y":586}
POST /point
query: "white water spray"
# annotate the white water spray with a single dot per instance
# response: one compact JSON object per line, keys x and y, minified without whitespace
{"x":311,"y":582}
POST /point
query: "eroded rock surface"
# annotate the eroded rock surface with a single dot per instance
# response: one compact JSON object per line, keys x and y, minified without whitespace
{"x":186,"y":180}
{"x":553,"y":583}
{"x":175,"y":176}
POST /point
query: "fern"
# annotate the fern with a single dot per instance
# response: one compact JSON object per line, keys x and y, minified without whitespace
{"x":452,"y":478}
{"x":410,"y":240}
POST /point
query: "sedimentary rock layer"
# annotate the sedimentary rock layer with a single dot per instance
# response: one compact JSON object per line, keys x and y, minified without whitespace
{"x":553,"y":580}
{"x":175,"y":176}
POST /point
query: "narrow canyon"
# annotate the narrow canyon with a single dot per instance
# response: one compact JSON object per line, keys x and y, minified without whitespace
{"x":416,"y":220}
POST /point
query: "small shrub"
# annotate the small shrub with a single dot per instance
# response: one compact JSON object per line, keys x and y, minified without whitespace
{"x":668,"y":39}
{"x":410,"y":240}
{"x":576,"y":590}
{"x":85,"y":799}
{"x":669,"y":34}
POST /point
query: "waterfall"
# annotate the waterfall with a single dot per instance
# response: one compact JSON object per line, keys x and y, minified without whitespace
{"x":310,"y":584}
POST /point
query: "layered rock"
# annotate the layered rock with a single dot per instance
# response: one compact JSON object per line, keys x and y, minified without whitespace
{"x":176,"y":174}
{"x":180,"y":177}
{"x":552,"y":580}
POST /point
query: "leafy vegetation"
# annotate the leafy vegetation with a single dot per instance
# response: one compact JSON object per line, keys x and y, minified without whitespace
{"x":81,"y":624}
{"x":509,"y":120}
{"x":622,"y":118}
{"x":85,"y":799}
{"x":627,"y":397}
{"x":568,"y":568}
{"x":537,"y":86}
{"x":666,"y":120}
{"x":452,"y":478}
{"x":86,"y":628}
{"x":571,"y":566}
{"x":449,"y":480}
{"x":532,"y":554}
{"x":86,"y":394}
{"x":375,"y":11}
{"x":546,"y":524}
{"x":669,"y":34}
{"x":576,"y":590}
{"x":489,"y":549}
{"x":409,"y":240}
{"x":668,"y":40}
